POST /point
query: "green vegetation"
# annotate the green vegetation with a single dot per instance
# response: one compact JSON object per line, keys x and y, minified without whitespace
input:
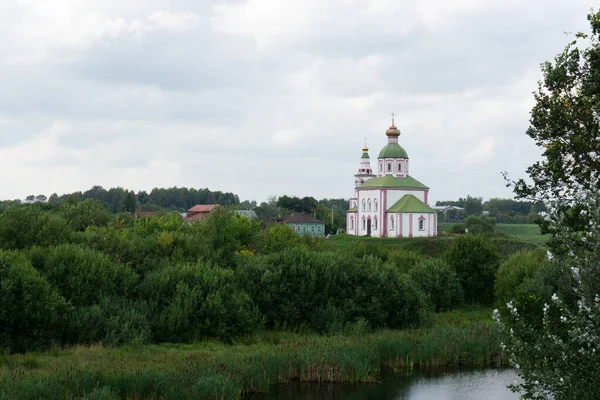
{"x":524,"y":233}
{"x":152,"y":296}
{"x":218,"y":371}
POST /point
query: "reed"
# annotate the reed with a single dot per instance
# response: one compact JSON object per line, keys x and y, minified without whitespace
{"x":212,"y":370}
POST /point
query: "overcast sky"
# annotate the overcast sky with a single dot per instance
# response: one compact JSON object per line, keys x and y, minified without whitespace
{"x":270,"y":97}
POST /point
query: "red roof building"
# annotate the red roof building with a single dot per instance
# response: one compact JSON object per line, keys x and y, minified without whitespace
{"x":199,"y":212}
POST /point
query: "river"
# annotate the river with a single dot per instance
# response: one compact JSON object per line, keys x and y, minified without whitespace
{"x":459,"y":384}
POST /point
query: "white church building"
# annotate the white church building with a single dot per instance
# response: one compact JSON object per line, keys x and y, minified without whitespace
{"x":391,"y":203}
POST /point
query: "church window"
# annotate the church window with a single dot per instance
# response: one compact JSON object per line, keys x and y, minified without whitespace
{"x":364,"y":223}
{"x":399,"y":167}
{"x":375,"y":205}
{"x":375,"y":223}
{"x":391,"y":223}
{"x":369,"y":205}
{"x":421,"y":224}
{"x":389,"y":166}
{"x":351,"y":223}
{"x":363,"y":205}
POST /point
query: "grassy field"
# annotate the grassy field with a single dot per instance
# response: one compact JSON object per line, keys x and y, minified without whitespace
{"x":526,"y":233}
{"x":435,"y":246}
{"x":211,"y":370}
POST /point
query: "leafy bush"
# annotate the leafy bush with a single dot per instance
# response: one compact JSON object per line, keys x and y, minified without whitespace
{"x":112,"y":321}
{"x":297,"y":287}
{"x":30,"y":309}
{"x":480,"y":225}
{"x":475,"y":261}
{"x":83,"y":275}
{"x":512,"y":272}
{"x":27,"y":225}
{"x":190,"y":302}
{"x":87,"y":213}
{"x":439,"y":283}
{"x":279,"y":237}
{"x":458,"y":229}
{"x":403,"y":259}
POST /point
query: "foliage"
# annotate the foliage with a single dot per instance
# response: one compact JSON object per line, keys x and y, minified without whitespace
{"x":87,"y":213}
{"x":279,"y":237}
{"x":440,"y":284}
{"x":555,"y":343}
{"x":28,"y":225}
{"x":192,"y":302}
{"x":475,"y":260}
{"x":83,"y":275}
{"x":30,"y":309}
{"x":175,"y":371}
{"x":512,"y":272}
{"x":297,"y":287}
{"x":480,"y":225}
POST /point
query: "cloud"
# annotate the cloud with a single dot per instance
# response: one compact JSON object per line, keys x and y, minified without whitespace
{"x":265,"y":97}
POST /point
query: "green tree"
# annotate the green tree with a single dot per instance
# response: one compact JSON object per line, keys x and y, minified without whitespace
{"x":556,"y":342}
{"x":130,"y":203}
{"x":439,"y":282}
{"x":30,"y":309}
{"x":480,"y":225}
{"x":475,"y":261}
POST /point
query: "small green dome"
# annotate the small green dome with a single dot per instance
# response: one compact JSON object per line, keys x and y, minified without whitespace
{"x":365,"y":155}
{"x":393,"y":150}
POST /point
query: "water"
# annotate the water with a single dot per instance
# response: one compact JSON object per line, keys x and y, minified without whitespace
{"x":463,"y":384}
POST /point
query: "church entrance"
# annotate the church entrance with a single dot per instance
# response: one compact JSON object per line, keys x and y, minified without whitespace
{"x":368,"y":226}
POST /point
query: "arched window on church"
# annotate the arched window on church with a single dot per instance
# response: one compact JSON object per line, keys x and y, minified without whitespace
{"x":375,"y":223}
{"x":422,"y":223}
{"x":399,"y":167}
{"x":369,"y":205}
{"x":364,"y":224}
{"x":363,"y":205}
{"x":375,"y":205}
{"x":351,"y":223}
{"x":391,"y":223}
{"x":389,"y":166}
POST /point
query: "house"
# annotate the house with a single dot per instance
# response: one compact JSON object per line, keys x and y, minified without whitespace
{"x":250,"y":214}
{"x":390,"y":203}
{"x":304,"y":224}
{"x":199,"y":212}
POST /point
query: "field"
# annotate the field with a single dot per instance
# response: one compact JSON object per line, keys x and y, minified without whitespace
{"x":526,"y":233}
{"x":218,"y":371}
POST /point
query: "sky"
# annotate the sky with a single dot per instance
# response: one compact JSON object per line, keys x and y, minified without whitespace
{"x":270,"y":97}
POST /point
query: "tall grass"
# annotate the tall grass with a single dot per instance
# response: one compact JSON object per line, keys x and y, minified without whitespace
{"x":211,"y":370}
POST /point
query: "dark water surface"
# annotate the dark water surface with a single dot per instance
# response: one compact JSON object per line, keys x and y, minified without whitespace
{"x":459,"y":384}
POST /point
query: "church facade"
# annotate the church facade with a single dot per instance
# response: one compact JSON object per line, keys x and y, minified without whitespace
{"x":390,"y":203}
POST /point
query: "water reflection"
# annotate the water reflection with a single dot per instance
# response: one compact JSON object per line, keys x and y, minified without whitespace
{"x":489,"y":384}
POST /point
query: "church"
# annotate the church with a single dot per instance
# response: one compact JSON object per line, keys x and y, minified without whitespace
{"x":390,"y":203}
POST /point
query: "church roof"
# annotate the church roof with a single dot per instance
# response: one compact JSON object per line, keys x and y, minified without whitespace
{"x":353,"y":209}
{"x":393,"y":150}
{"x":410,"y":204}
{"x":392,"y":182}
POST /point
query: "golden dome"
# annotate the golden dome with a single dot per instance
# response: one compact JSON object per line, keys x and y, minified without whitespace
{"x":365,"y":148}
{"x":393,"y":131}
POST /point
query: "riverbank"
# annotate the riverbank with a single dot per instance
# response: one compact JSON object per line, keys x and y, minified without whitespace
{"x":219,"y":371}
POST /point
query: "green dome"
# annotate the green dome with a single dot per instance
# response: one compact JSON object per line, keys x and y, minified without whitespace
{"x":393,"y":150}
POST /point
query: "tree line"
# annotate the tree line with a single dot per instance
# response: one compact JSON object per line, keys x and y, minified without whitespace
{"x":502,"y":210}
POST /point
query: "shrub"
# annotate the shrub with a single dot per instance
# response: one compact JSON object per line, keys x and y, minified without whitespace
{"x":112,"y":321}
{"x":89,"y":212}
{"x":480,"y":225}
{"x":403,"y":259}
{"x":475,"y":261}
{"x":279,"y":237}
{"x":83,"y":275}
{"x":440,"y":284}
{"x":516,"y":269}
{"x":30,"y":309}
{"x":328,"y":290}
{"x":190,"y":302}
{"x":27,"y":225}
